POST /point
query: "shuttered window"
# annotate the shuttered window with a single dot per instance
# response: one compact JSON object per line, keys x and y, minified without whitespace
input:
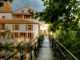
{"x":3,"y":17}
{"x":30,"y":27}
{"x":30,"y":35}
{"x":2,"y":26}
{"x":15,"y":27}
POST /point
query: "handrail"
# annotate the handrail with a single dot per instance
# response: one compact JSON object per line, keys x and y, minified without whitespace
{"x":36,"y":44}
{"x":55,"y":44}
{"x":66,"y":49}
{"x":17,"y":51}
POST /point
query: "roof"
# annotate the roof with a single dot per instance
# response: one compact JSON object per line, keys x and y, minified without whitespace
{"x":17,"y":21}
{"x":21,"y":14}
{"x":22,"y":8}
{"x":6,"y":8}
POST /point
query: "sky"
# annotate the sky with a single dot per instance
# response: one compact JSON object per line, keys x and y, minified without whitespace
{"x":35,"y":4}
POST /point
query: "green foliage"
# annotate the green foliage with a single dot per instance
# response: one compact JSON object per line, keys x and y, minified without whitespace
{"x":34,"y":14}
{"x":9,"y":0}
{"x":7,"y":32}
{"x":41,"y":37}
{"x":51,"y":28}
{"x":56,"y":8}
{"x":2,"y":2}
{"x":64,"y":15}
{"x":70,"y":39}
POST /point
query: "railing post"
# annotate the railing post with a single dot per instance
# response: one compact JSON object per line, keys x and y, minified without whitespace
{"x":35,"y":49}
{"x":22,"y":57}
{"x":9,"y":59}
{"x":23,"y":51}
{"x":21,"y":54}
{"x":31,"y":53}
{"x":39,"y":43}
{"x":60,"y":52}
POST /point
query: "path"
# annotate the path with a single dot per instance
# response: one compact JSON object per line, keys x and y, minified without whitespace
{"x":45,"y":52}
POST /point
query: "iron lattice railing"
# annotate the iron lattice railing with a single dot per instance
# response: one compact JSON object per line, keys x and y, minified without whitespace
{"x":28,"y":51}
{"x":60,"y":52}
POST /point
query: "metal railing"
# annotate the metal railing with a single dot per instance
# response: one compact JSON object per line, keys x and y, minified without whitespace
{"x":28,"y":51}
{"x":60,"y":52}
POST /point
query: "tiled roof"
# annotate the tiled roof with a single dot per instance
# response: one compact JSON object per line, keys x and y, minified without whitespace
{"x":21,"y":14}
{"x":17,"y":21}
{"x":6,"y":8}
{"x":21,"y":8}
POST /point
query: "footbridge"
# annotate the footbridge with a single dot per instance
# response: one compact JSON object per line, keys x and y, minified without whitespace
{"x":43,"y":48}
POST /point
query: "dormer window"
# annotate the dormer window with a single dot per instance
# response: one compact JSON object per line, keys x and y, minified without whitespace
{"x":22,"y":11}
{"x":3,"y":17}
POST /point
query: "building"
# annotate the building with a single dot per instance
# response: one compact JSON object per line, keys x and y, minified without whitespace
{"x":43,"y":28}
{"x":19,"y":22}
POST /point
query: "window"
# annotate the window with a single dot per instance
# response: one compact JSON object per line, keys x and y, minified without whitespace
{"x":30,"y":35}
{"x":17,"y":16}
{"x":2,"y":26}
{"x":22,"y":34}
{"x":30,"y":27}
{"x":16,"y":34}
{"x":22,"y":11}
{"x":16,"y":27}
{"x":26,"y":17}
{"x":3,"y":17}
{"x":3,"y":34}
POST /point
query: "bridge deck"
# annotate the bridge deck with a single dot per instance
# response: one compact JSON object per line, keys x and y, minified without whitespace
{"x":45,"y":52}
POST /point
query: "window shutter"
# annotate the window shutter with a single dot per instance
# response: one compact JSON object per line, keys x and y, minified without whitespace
{"x":13,"y":27}
{"x":32,"y":35}
{"x":0,"y":26}
{"x":26,"y":27}
{"x":26,"y":35}
{"x":32,"y":27}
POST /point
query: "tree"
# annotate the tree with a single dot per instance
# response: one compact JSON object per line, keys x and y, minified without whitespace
{"x":59,"y":13}
{"x":2,"y":2}
{"x":7,"y":32}
{"x":63,"y":15}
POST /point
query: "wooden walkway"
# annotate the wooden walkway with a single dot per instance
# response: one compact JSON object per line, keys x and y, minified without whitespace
{"x":45,"y":52}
